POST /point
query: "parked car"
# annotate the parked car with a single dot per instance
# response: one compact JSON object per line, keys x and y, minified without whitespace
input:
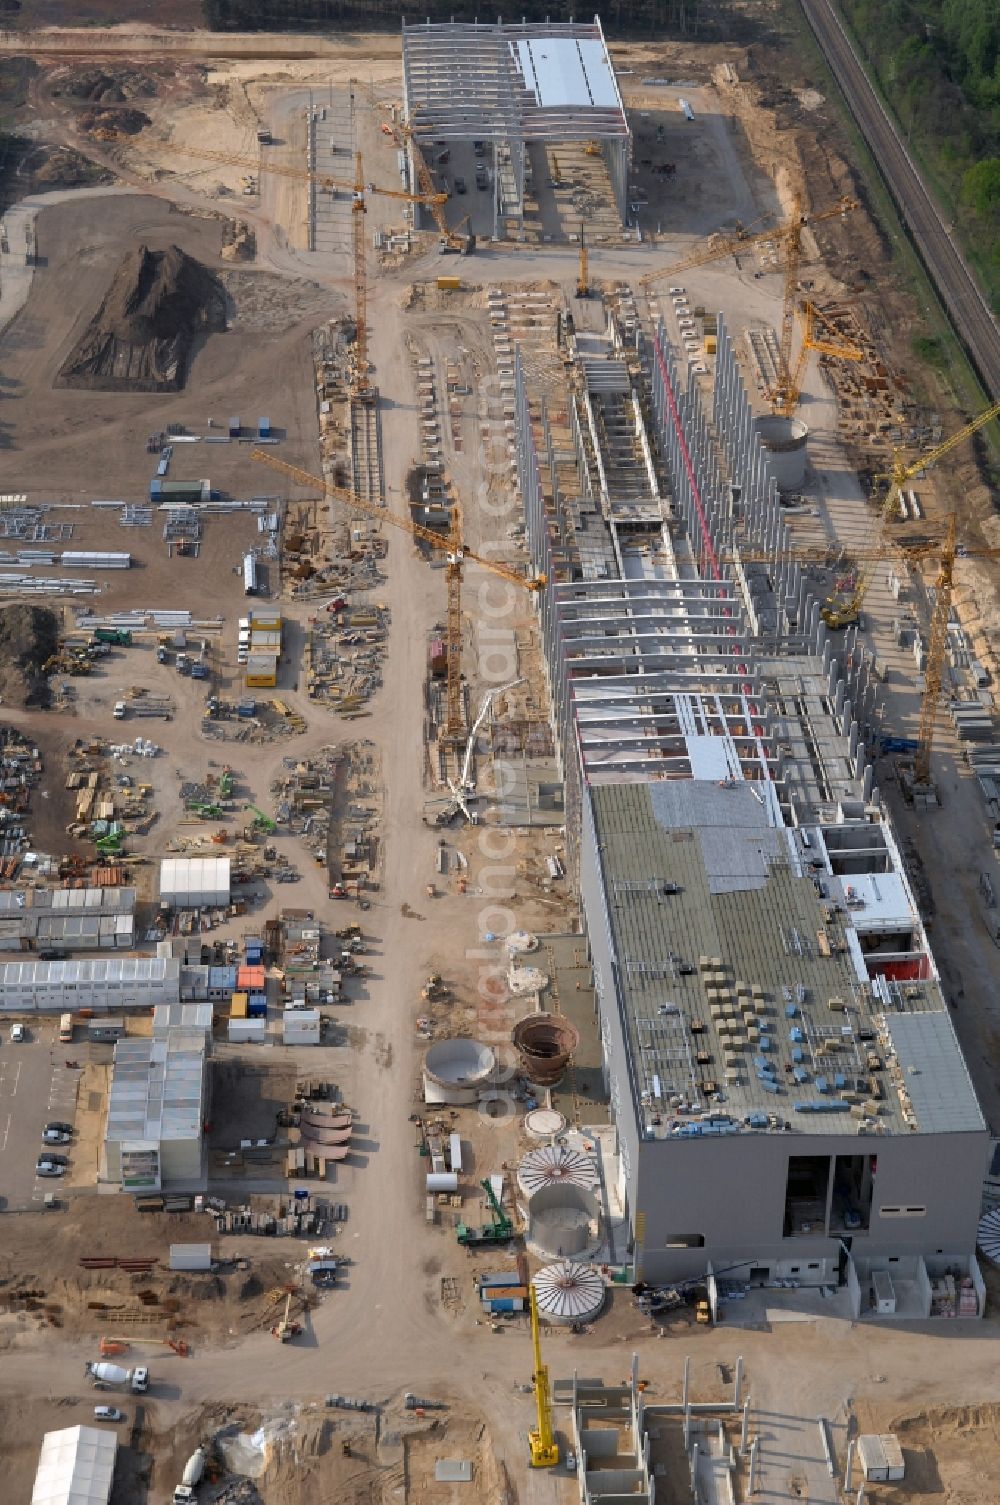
{"x":60,"y":1128}
{"x":54,"y":1136}
{"x":459,"y":185}
{"x":571,"y":1462}
{"x":108,"y":1413}
{"x":50,"y":1157}
{"x":18,"y":1033}
{"x":48,"y":1168}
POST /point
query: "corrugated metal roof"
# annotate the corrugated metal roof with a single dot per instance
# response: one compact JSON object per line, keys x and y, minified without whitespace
{"x":157,"y":1087}
{"x":935,"y":1075}
{"x":95,"y":970}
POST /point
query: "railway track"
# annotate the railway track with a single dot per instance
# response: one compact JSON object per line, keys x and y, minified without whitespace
{"x":968,"y":309}
{"x":366,"y":450}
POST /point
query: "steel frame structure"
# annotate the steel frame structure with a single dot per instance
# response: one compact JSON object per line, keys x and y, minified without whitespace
{"x":465,"y":81}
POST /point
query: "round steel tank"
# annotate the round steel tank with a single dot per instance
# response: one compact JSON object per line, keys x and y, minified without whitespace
{"x":569,"y":1293}
{"x":785,"y":442}
{"x":545,"y":1043}
{"x":456,"y":1071}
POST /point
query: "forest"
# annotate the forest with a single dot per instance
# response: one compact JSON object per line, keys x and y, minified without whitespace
{"x":938,"y":65}
{"x":636,"y":17}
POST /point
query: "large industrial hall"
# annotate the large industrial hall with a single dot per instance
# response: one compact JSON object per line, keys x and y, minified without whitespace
{"x":498,"y":99}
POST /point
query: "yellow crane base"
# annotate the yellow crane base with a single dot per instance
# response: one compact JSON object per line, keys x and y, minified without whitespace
{"x":540,"y":1455}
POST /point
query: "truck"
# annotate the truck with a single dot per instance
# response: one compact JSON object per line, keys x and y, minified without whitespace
{"x":184,"y":1492}
{"x":120,"y":637}
{"x":114,"y":1377}
{"x":120,"y":710}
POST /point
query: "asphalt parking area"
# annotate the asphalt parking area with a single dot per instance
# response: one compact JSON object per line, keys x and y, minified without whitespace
{"x":36,"y":1086}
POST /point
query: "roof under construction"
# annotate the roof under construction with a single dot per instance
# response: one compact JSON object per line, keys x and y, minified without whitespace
{"x":740,"y":985}
{"x":533,"y":82}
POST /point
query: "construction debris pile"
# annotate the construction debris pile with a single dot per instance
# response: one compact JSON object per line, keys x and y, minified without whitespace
{"x":141,"y":336}
{"x":344,"y":653}
{"x":29,"y":636}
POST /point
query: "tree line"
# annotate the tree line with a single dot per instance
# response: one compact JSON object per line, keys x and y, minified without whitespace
{"x":938,"y":64}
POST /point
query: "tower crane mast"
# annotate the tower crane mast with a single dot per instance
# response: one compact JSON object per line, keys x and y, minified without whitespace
{"x":450,"y":544}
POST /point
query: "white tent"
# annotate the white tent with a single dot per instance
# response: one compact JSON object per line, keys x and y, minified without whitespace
{"x":194,"y":882}
{"x":75,"y":1467}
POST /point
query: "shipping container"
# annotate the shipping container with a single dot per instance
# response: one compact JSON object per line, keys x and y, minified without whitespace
{"x":257,"y":1006}
{"x":247,"y":1031}
{"x":190,"y":1256}
{"x":251,"y":979}
{"x":238,"y":1006}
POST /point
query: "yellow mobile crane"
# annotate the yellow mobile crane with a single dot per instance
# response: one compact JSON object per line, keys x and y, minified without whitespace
{"x":449,"y":543}
{"x":542,"y":1446}
{"x":844,"y":612}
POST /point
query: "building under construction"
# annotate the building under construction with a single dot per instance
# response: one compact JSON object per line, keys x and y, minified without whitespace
{"x":790,"y":1098}
{"x":512,"y":90}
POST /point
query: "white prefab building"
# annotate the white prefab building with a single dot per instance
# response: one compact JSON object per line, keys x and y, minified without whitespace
{"x":106,"y":983}
{"x":156,"y":1109}
{"x":76,"y":1466}
{"x":300,"y":1026}
{"x":194,"y":882}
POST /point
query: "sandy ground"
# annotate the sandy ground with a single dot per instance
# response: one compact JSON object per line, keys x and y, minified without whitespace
{"x":395,"y":1327}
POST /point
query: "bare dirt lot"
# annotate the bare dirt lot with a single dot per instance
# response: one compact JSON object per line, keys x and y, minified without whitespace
{"x":64,"y":443}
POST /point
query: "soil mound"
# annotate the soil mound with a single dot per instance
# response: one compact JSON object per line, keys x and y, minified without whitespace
{"x":29,"y":635}
{"x":140,"y":338}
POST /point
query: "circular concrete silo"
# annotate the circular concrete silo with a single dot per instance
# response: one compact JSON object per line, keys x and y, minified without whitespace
{"x":545,"y":1043}
{"x":784,"y":439}
{"x":567,"y":1292}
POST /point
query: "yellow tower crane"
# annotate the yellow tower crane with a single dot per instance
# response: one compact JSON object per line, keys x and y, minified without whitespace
{"x":543,"y":1450}
{"x":359,"y":191}
{"x":788,"y":237}
{"x":786,"y":398}
{"x":450,"y":543}
{"x":843,"y":612}
{"x":583,"y":275}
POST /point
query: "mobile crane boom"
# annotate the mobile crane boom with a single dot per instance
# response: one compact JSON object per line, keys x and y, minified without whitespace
{"x":542,"y":1446}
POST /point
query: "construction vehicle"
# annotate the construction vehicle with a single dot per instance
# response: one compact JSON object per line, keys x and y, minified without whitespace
{"x":543,"y":1450}
{"x":260,"y":819}
{"x":106,"y":845}
{"x":112,"y":1347}
{"x":194,"y":1469}
{"x":583,"y":275}
{"x":114,"y":1377}
{"x":118,"y":637}
{"x":205,"y":812}
{"x":843,"y":612}
{"x":449,"y":543}
{"x":404,"y":138}
{"x":497,"y":1232}
{"x":285,"y":1329}
{"x":225,"y":783}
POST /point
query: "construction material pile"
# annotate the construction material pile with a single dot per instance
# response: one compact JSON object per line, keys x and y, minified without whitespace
{"x":140,"y":338}
{"x":29,"y":636}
